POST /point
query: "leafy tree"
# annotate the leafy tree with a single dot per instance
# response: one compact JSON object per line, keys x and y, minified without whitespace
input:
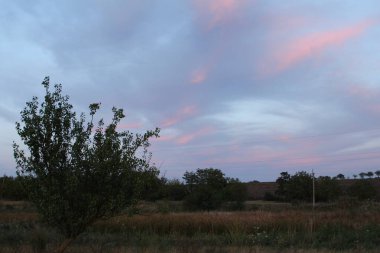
{"x":355,"y":176}
{"x":298,"y":187}
{"x":175,"y":190}
{"x":340,"y":176}
{"x":362,"y":175}
{"x":370,"y":174}
{"x":152,"y":187}
{"x":236,"y":193}
{"x":205,"y":187}
{"x":377,"y":173}
{"x":282,"y":183}
{"x":76,"y":173}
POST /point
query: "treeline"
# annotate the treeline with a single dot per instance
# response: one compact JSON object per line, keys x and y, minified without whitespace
{"x":204,"y":189}
{"x":299,"y":187}
{"x":209,"y":189}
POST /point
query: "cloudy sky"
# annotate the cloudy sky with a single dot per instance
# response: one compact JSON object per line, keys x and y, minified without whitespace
{"x":252,"y":87}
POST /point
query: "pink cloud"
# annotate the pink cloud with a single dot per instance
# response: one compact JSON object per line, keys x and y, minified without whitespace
{"x":199,"y":76}
{"x":182,"y":114}
{"x":202,"y":72}
{"x":216,"y":12}
{"x":311,"y":45}
{"x":186,"y":138}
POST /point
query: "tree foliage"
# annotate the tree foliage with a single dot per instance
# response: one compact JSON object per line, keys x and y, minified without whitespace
{"x":208,"y":188}
{"x":236,"y":193}
{"x":299,"y":187}
{"x":76,"y":172}
{"x":205,"y":188}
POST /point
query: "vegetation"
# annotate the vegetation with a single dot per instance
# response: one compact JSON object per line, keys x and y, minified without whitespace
{"x":266,"y":229}
{"x":209,"y":188}
{"x":76,"y":173}
{"x":299,"y":187}
{"x":363,"y":190}
{"x":11,"y":188}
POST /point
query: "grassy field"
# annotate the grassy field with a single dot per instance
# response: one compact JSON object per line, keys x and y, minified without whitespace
{"x":266,"y":227}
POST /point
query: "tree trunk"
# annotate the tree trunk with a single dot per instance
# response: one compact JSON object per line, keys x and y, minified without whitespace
{"x":64,"y":245}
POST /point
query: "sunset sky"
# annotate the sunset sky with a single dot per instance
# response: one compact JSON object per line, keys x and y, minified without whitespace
{"x":252,"y":87}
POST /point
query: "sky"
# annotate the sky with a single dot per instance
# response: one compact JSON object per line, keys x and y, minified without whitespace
{"x":251,"y":87}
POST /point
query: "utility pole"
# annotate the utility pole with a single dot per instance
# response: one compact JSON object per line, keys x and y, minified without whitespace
{"x":313,"y":212}
{"x":312,"y":172}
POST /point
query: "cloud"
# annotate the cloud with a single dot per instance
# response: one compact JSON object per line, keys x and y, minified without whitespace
{"x":217,"y":12}
{"x":199,"y":76}
{"x":365,"y":145}
{"x":181,"y":115}
{"x":311,"y":45}
{"x":186,"y":138}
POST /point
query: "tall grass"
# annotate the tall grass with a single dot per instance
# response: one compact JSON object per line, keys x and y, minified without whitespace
{"x":349,"y":230}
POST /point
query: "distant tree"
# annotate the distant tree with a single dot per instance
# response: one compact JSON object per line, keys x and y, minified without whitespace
{"x":205,"y":188}
{"x":362,"y":175}
{"x":370,"y":174}
{"x":76,"y":173}
{"x":282,"y":183}
{"x":327,"y":189}
{"x":300,"y":187}
{"x":363,"y":190}
{"x":377,"y":173}
{"x":151,"y":188}
{"x":175,"y":190}
{"x":236,"y":193}
{"x":355,"y":176}
{"x":340,"y":176}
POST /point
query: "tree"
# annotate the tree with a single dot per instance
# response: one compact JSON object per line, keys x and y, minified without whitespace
{"x":370,"y":174}
{"x":362,"y":175}
{"x":340,"y":176}
{"x":355,"y":176}
{"x":298,"y":187}
{"x":377,"y":173}
{"x":327,"y":189}
{"x":282,"y":182}
{"x":363,"y":190}
{"x":76,"y":173}
{"x":236,"y":193}
{"x":175,"y":190}
{"x":205,"y":187}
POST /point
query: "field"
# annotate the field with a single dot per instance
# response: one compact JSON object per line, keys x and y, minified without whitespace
{"x":263,"y":227}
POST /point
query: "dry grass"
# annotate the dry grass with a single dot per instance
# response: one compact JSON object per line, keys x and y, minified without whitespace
{"x":255,"y":231}
{"x":244,"y":222}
